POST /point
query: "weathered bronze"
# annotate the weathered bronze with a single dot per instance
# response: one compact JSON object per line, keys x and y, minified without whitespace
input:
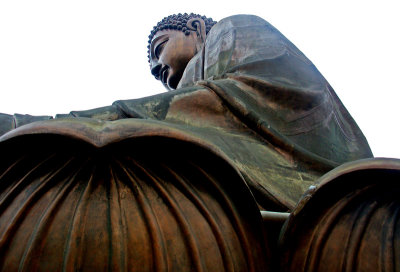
{"x":350,"y":222}
{"x":250,"y":93}
{"x":160,"y":183}
{"x":138,"y":204}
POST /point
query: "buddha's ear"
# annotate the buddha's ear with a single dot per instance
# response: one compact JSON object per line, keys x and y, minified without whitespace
{"x":198,"y":25}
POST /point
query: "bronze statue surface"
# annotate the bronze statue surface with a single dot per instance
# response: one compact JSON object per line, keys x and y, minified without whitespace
{"x":245,"y":108}
{"x":349,"y":222}
{"x":250,"y":93}
{"x":123,"y":204}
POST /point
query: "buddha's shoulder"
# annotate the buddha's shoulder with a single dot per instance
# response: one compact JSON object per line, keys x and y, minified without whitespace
{"x":242,"y":20}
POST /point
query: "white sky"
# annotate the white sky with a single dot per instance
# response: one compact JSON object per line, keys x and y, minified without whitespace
{"x":58,"y":56}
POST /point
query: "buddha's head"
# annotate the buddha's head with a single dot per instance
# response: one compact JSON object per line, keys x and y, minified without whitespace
{"x":173,"y":42}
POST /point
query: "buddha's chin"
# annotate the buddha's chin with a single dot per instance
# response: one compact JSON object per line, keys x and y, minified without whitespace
{"x":173,"y":80}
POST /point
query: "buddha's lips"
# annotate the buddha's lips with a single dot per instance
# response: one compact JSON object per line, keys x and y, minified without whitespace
{"x":164,"y":75}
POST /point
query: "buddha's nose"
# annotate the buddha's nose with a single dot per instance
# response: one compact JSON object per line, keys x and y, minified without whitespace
{"x":155,"y":70}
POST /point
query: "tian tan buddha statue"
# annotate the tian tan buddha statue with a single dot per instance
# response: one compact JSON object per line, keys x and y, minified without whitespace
{"x":202,"y":177}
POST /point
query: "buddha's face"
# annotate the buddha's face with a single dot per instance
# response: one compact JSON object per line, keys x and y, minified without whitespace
{"x":170,"y":52}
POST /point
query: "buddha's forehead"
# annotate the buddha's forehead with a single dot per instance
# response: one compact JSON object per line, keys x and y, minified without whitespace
{"x":165,"y":32}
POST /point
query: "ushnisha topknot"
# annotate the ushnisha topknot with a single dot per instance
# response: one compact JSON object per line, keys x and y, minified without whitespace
{"x":178,"y":22}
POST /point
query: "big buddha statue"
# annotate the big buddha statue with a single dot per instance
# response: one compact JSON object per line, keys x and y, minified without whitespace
{"x":241,"y":87}
{"x":177,"y":180}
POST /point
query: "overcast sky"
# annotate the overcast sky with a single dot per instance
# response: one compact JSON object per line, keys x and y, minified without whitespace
{"x":58,"y":56}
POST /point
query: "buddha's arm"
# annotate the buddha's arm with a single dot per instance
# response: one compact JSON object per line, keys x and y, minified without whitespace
{"x":152,"y":107}
{"x":9,"y":122}
{"x":107,"y":113}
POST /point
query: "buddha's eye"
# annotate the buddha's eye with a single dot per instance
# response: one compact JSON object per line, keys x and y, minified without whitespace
{"x":159,"y":49}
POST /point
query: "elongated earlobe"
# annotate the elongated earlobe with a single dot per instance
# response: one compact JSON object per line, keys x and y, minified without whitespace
{"x":198,"y":25}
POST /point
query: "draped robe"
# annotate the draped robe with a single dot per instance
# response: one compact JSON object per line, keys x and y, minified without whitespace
{"x":250,"y":96}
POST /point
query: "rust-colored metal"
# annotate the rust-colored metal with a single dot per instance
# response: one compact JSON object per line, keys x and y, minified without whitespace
{"x":142,"y":204}
{"x":249,"y":92}
{"x":166,"y":183}
{"x":350,"y":222}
